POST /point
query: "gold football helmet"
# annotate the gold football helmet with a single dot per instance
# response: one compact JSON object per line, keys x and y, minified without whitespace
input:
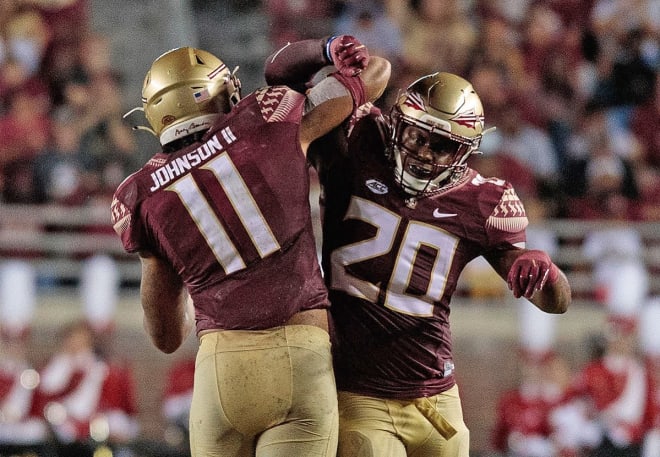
{"x":184,"y":91}
{"x":447,"y":107}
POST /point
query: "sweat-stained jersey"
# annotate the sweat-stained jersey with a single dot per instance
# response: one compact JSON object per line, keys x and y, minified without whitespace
{"x":392,"y":264}
{"x":231,"y":214}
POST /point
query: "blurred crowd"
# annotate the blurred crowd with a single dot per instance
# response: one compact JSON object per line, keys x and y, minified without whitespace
{"x":608,"y":405}
{"x":83,"y":399}
{"x":572,"y":88}
{"x":62,"y":137}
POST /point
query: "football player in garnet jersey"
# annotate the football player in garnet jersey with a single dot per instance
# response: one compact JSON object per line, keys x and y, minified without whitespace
{"x":403,"y":215}
{"x":221,"y":214}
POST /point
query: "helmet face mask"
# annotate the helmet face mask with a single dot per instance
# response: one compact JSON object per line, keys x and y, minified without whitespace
{"x":437,"y":124}
{"x":425,"y":158}
{"x":185,"y":90}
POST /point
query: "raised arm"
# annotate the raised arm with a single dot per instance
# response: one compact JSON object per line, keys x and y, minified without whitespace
{"x":354,"y":78}
{"x":296,"y":63}
{"x":335,"y":98}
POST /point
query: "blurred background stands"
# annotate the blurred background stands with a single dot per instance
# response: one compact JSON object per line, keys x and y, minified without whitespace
{"x":580,"y":76}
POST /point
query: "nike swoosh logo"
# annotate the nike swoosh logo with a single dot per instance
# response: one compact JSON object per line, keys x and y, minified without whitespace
{"x":438,"y":214}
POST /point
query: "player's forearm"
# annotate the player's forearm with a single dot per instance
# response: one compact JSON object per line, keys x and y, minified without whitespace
{"x":295,"y":63}
{"x":554,"y":297}
{"x":376,"y":77}
{"x":532,"y":274}
{"x":167,"y":330}
{"x":163,"y":299}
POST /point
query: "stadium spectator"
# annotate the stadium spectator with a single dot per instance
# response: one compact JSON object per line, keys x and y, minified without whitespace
{"x":530,"y":146}
{"x":88,"y":400}
{"x":23,"y":133}
{"x":626,"y":36}
{"x":426,"y":50}
{"x":371,"y":21}
{"x":648,"y":180}
{"x":293,"y":21}
{"x":108,"y":145}
{"x":59,"y":171}
{"x":542,"y":30}
{"x":523,"y":426}
{"x":27,"y":37}
{"x":558,"y":98}
{"x":498,"y":60}
{"x":377,"y":30}
{"x":644,"y":124}
{"x":69,"y":20}
{"x":22,"y":428}
{"x":600,"y":179}
{"x":609,"y":405}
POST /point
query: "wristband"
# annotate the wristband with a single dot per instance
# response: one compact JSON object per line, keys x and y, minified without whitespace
{"x":328,"y":56}
{"x":355,"y":86}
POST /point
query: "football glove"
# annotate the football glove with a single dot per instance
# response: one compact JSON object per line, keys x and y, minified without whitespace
{"x":348,"y":55}
{"x":530,"y":272}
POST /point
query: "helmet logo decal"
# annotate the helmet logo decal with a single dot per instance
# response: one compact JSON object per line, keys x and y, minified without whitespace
{"x":415,"y":101}
{"x":468,"y":119}
{"x":376,"y":186}
{"x":168,"y":119}
{"x":217,"y":71}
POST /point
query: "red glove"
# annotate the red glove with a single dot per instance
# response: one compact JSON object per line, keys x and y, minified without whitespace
{"x":530,"y":272}
{"x":348,"y":55}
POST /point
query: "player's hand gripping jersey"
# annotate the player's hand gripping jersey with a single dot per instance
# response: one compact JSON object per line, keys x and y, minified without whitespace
{"x":392,"y":264}
{"x":252,"y":171}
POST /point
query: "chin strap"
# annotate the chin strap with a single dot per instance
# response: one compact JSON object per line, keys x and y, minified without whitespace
{"x":139,"y":127}
{"x":235,"y":95}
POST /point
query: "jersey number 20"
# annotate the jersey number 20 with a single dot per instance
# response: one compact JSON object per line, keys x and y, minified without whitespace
{"x":387,"y":224}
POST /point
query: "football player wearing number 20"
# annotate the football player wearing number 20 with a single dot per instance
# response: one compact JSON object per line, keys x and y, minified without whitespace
{"x":402,"y":216}
{"x":221,"y":221}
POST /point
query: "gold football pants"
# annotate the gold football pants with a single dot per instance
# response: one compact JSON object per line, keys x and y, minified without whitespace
{"x":375,"y":427}
{"x":267,"y":393}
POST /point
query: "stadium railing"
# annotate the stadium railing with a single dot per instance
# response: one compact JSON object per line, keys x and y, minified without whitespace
{"x":56,"y":238}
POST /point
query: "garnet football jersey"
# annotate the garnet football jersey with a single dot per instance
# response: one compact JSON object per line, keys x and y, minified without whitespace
{"x":392,"y":263}
{"x":231,"y":214}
